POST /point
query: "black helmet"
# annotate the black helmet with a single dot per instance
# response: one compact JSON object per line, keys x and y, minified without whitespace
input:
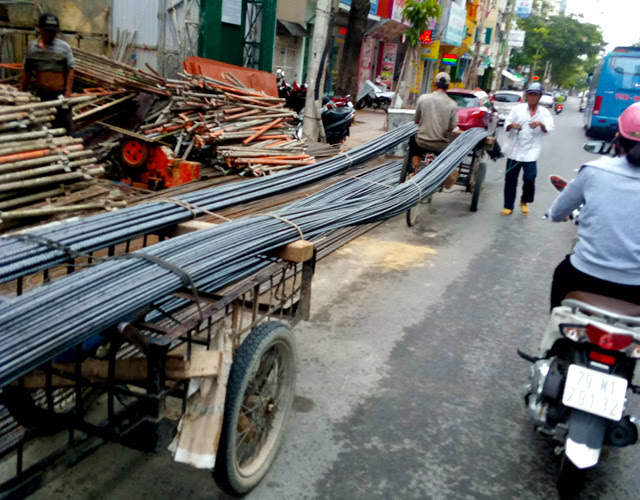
{"x":49,"y":22}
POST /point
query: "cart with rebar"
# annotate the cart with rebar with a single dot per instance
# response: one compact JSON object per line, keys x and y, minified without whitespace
{"x":471,"y":174}
{"x":211,"y":374}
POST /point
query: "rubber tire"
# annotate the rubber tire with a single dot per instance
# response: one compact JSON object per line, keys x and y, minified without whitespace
{"x":26,"y":412}
{"x":570,"y":479}
{"x":413,"y":214}
{"x":361,"y":104}
{"x":475,"y":196}
{"x":245,"y":362}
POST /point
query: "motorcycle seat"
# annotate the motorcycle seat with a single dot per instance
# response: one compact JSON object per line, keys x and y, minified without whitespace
{"x":613,"y":305}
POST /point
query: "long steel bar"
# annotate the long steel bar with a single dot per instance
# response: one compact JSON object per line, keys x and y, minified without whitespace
{"x":40,"y":324}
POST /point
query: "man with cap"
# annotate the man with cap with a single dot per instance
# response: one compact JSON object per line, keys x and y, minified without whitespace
{"x":50,"y":61}
{"x":436,"y":116}
{"x":526,"y":124}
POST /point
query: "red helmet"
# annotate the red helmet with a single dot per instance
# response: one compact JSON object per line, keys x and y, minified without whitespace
{"x":629,"y":122}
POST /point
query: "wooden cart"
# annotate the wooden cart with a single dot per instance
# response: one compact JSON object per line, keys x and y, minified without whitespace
{"x":471,"y":174}
{"x":222,"y":365}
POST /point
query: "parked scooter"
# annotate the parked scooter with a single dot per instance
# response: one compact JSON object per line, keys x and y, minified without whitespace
{"x":558,"y":108}
{"x":336,"y":120}
{"x":294,"y":94}
{"x":373,"y":96}
{"x":578,"y":386}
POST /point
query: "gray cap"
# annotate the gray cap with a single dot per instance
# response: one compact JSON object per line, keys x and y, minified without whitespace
{"x":534,"y":87}
{"x":443,"y":77}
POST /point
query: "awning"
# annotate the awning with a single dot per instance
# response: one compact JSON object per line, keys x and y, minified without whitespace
{"x":510,"y":76}
{"x":292,"y":29}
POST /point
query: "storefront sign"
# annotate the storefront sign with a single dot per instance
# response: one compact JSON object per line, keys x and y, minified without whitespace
{"x":396,"y":12}
{"x":449,"y":59}
{"x":425,"y":36}
{"x":523,"y":8}
{"x":469,"y":31}
{"x":516,"y":38}
{"x":366,"y":60}
{"x":456,"y":28}
{"x":430,"y":52}
{"x":232,"y":12}
{"x":373,"y":8}
{"x":389,"y":52}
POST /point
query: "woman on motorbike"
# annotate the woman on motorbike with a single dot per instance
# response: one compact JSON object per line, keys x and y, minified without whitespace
{"x":606,"y":259}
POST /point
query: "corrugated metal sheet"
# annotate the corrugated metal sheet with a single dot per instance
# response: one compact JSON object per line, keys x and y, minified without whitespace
{"x":140,"y":16}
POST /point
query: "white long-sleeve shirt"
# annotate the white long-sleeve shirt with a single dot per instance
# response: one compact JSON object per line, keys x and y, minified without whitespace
{"x":526,"y":144}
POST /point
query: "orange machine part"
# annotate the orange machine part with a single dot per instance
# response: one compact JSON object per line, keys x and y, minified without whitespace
{"x":163,"y":169}
{"x":251,"y":78}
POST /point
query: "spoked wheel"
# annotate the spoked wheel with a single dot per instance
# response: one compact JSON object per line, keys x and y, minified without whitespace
{"x":477,"y":188}
{"x":259,"y":397}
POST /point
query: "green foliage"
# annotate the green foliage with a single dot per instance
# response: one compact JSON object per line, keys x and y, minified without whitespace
{"x":572,"y":47}
{"x":418,"y":13}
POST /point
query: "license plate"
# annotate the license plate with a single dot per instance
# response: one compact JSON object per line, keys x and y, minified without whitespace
{"x":595,"y":392}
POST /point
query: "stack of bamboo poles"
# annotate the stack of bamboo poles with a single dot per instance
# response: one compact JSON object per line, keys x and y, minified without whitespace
{"x":38,"y":163}
{"x":238,"y":127}
{"x":101,"y":71}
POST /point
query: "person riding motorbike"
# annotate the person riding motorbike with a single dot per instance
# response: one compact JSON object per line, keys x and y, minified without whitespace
{"x":436,"y":116}
{"x":606,"y":259}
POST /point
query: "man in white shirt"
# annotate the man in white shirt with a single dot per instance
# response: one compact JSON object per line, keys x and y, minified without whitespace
{"x":526,"y":125}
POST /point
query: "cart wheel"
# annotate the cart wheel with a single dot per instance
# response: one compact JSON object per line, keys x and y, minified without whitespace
{"x":30,"y":409}
{"x":259,"y":397}
{"x":412,"y":215}
{"x":475,"y":196}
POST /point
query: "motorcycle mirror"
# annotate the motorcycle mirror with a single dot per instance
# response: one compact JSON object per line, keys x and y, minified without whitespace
{"x":597,"y":147}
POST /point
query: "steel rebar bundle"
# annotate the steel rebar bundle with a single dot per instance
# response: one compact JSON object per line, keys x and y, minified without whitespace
{"x":19,"y":258}
{"x":37,"y":326}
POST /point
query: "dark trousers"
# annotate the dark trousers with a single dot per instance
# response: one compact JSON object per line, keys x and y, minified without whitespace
{"x":63,"y":117}
{"x":567,"y":278}
{"x":511,"y":181}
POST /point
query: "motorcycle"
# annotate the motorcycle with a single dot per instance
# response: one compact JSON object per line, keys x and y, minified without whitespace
{"x":336,"y":120}
{"x":373,"y":96}
{"x":558,"y":108}
{"x":294,"y":94}
{"x":578,"y":387}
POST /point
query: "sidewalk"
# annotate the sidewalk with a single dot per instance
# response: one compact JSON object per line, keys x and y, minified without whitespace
{"x":368,"y":125}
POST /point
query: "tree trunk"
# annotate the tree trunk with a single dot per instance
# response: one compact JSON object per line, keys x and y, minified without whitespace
{"x":350,"y":60}
{"x":497,"y":78}
{"x":400,"y":88}
{"x":312,"y":110}
{"x":471,"y":78}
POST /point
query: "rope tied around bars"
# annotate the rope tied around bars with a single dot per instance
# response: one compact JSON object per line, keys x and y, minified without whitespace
{"x":191,"y":207}
{"x":293,"y":224}
{"x":186,"y":278}
{"x":411,"y":181}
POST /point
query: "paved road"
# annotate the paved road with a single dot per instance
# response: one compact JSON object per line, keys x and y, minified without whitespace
{"x":409,"y":385}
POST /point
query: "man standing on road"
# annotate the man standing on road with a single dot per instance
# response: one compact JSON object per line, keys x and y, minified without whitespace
{"x":436,"y":116}
{"x":526,"y":125}
{"x":50,"y":60}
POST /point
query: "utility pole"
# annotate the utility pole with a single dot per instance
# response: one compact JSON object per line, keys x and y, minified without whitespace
{"x":325,"y":9}
{"x":471,"y":78}
{"x":497,"y":77}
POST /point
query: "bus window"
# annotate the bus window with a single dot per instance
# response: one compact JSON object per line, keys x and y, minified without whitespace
{"x":626,"y":65}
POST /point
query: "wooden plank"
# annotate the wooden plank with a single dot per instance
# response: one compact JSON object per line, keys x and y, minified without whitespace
{"x":188,"y":227}
{"x":298,"y":251}
{"x":202,"y":364}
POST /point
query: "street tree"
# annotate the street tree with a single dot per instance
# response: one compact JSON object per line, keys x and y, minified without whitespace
{"x":347,"y":82}
{"x":418,"y":13}
{"x":561,"y":42}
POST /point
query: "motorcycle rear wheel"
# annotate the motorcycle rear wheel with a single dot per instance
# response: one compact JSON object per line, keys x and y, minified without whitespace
{"x":570,"y":478}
